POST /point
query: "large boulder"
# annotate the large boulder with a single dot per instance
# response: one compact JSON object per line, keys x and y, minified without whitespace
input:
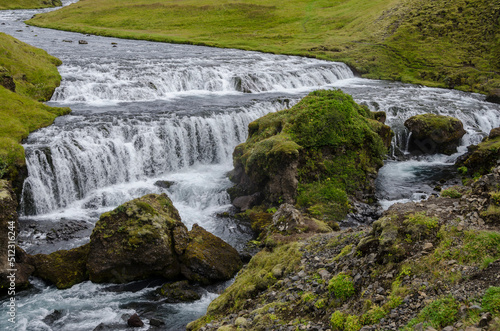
{"x":11,"y":256}
{"x":481,"y":158}
{"x":208,"y":258}
{"x":431,"y":133}
{"x":136,"y":241}
{"x":494,"y":96}
{"x":320,"y":153}
{"x":63,"y":268}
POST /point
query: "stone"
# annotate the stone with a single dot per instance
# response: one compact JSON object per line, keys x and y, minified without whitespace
{"x":166,"y":184}
{"x":247,"y":201}
{"x":135,"y":321}
{"x":287,"y":218}
{"x":136,"y":241}
{"x":82,"y":42}
{"x":208,"y":258}
{"x":494,"y":96}
{"x":156,"y":322}
{"x":418,"y":327}
{"x":448,"y":328}
{"x":179,"y":292}
{"x":241,"y":322}
{"x":325,"y":275}
{"x":485,"y":320}
{"x":428,"y":246}
{"x":63,"y":268}
{"x":472,"y":328}
{"x":431,"y":133}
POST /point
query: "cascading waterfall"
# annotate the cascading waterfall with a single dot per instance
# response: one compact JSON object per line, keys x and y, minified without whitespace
{"x":133,"y":80}
{"x":83,"y":158}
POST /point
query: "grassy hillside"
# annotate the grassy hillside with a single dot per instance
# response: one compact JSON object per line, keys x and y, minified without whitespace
{"x":447,"y":43}
{"x":27,"y":75}
{"x":27,"y":4}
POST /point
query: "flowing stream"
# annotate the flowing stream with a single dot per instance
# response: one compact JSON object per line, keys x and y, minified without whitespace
{"x":149,"y":114}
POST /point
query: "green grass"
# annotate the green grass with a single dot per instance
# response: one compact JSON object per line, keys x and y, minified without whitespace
{"x":28,"y":4}
{"x":449,"y":43}
{"x":439,"y":313}
{"x":341,"y":286}
{"x":35,"y":75}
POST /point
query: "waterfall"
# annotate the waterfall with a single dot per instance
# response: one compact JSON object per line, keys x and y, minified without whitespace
{"x":84,"y":158}
{"x":133,"y":80}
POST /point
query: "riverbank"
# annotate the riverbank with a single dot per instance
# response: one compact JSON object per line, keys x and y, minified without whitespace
{"x":28,"y":75}
{"x":29,"y":4}
{"x":440,"y":44}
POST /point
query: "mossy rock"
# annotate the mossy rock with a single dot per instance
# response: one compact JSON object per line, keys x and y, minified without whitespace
{"x":494,"y":96}
{"x":208,"y":258}
{"x":63,"y":268}
{"x":317,"y":154}
{"x":481,"y":158}
{"x":136,"y":241}
{"x":431,"y":133}
{"x":179,"y":292}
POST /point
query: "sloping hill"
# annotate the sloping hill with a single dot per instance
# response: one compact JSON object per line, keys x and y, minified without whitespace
{"x":27,"y":4}
{"x":448,"y":43}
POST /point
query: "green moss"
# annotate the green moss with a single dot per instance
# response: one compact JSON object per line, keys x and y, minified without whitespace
{"x":451,"y":192}
{"x":439,"y":313}
{"x":346,"y":250}
{"x":255,"y":277}
{"x":145,"y":207}
{"x":337,"y":320}
{"x":419,"y":225}
{"x":491,"y":300}
{"x":352,"y":323}
{"x":341,"y":286}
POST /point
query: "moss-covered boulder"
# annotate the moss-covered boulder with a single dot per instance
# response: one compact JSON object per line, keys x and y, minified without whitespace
{"x":136,"y":241}
{"x":431,"y":133}
{"x":178,"y":292}
{"x":63,"y":268}
{"x":11,"y":256}
{"x":481,"y":158}
{"x":494,"y":96}
{"x":208,"y":258}
{"x":319,"y":153}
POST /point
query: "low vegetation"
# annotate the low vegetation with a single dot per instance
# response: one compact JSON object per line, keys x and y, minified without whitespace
{"x":437,"y":43}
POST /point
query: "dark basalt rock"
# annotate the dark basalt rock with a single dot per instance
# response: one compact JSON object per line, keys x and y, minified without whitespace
{"x":135,"y":321}
{"x":179,"y":292}
{"x":481,"y":158}
{"x":432,"y":133}
{"x":494,"y":96}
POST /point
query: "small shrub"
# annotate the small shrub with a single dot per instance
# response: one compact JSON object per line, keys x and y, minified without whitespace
{"x":451,"y":193}
{"x":341,"y":286}
{"x":352,"y":323}
{"x":320,"y":304}
{"x":491,"y":300}
{"x":462,"y":170}
{"x":373,"y":316}
{"x":337,"y":321}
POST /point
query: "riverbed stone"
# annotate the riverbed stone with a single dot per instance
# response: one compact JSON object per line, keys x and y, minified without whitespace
{"x":136,"y":241}
{"x":431,"y":133}
{"x":208,"y":258}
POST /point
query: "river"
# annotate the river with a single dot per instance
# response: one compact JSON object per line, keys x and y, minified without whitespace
{"x":145,"y":113}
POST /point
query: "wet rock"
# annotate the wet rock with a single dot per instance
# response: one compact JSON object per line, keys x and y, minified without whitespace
{"x":208,"y":258}
{"x":164,"y":183}
{"x":136,"y":241}
{"x":53,"y":317}
{"x":135,"y":321}
{"x":494,"y":96}
{"x":247,"y":201}
{"x":432,"y":133}
{"x":63,"y":268}
{"x":156,"y":322}
{"x":179,"y":292}
{"x":82,"y":42}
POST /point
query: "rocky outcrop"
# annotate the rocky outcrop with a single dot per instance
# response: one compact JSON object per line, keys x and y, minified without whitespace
{"x":319,"y":153}
{"x":135,"y":241}
{"x":431,"y":133}
{"x":481,"y":158}
{"x":63,"y":268}
{"x":207,"y":258}
{"x":11,"y":256}
{"x":140,"y":239}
